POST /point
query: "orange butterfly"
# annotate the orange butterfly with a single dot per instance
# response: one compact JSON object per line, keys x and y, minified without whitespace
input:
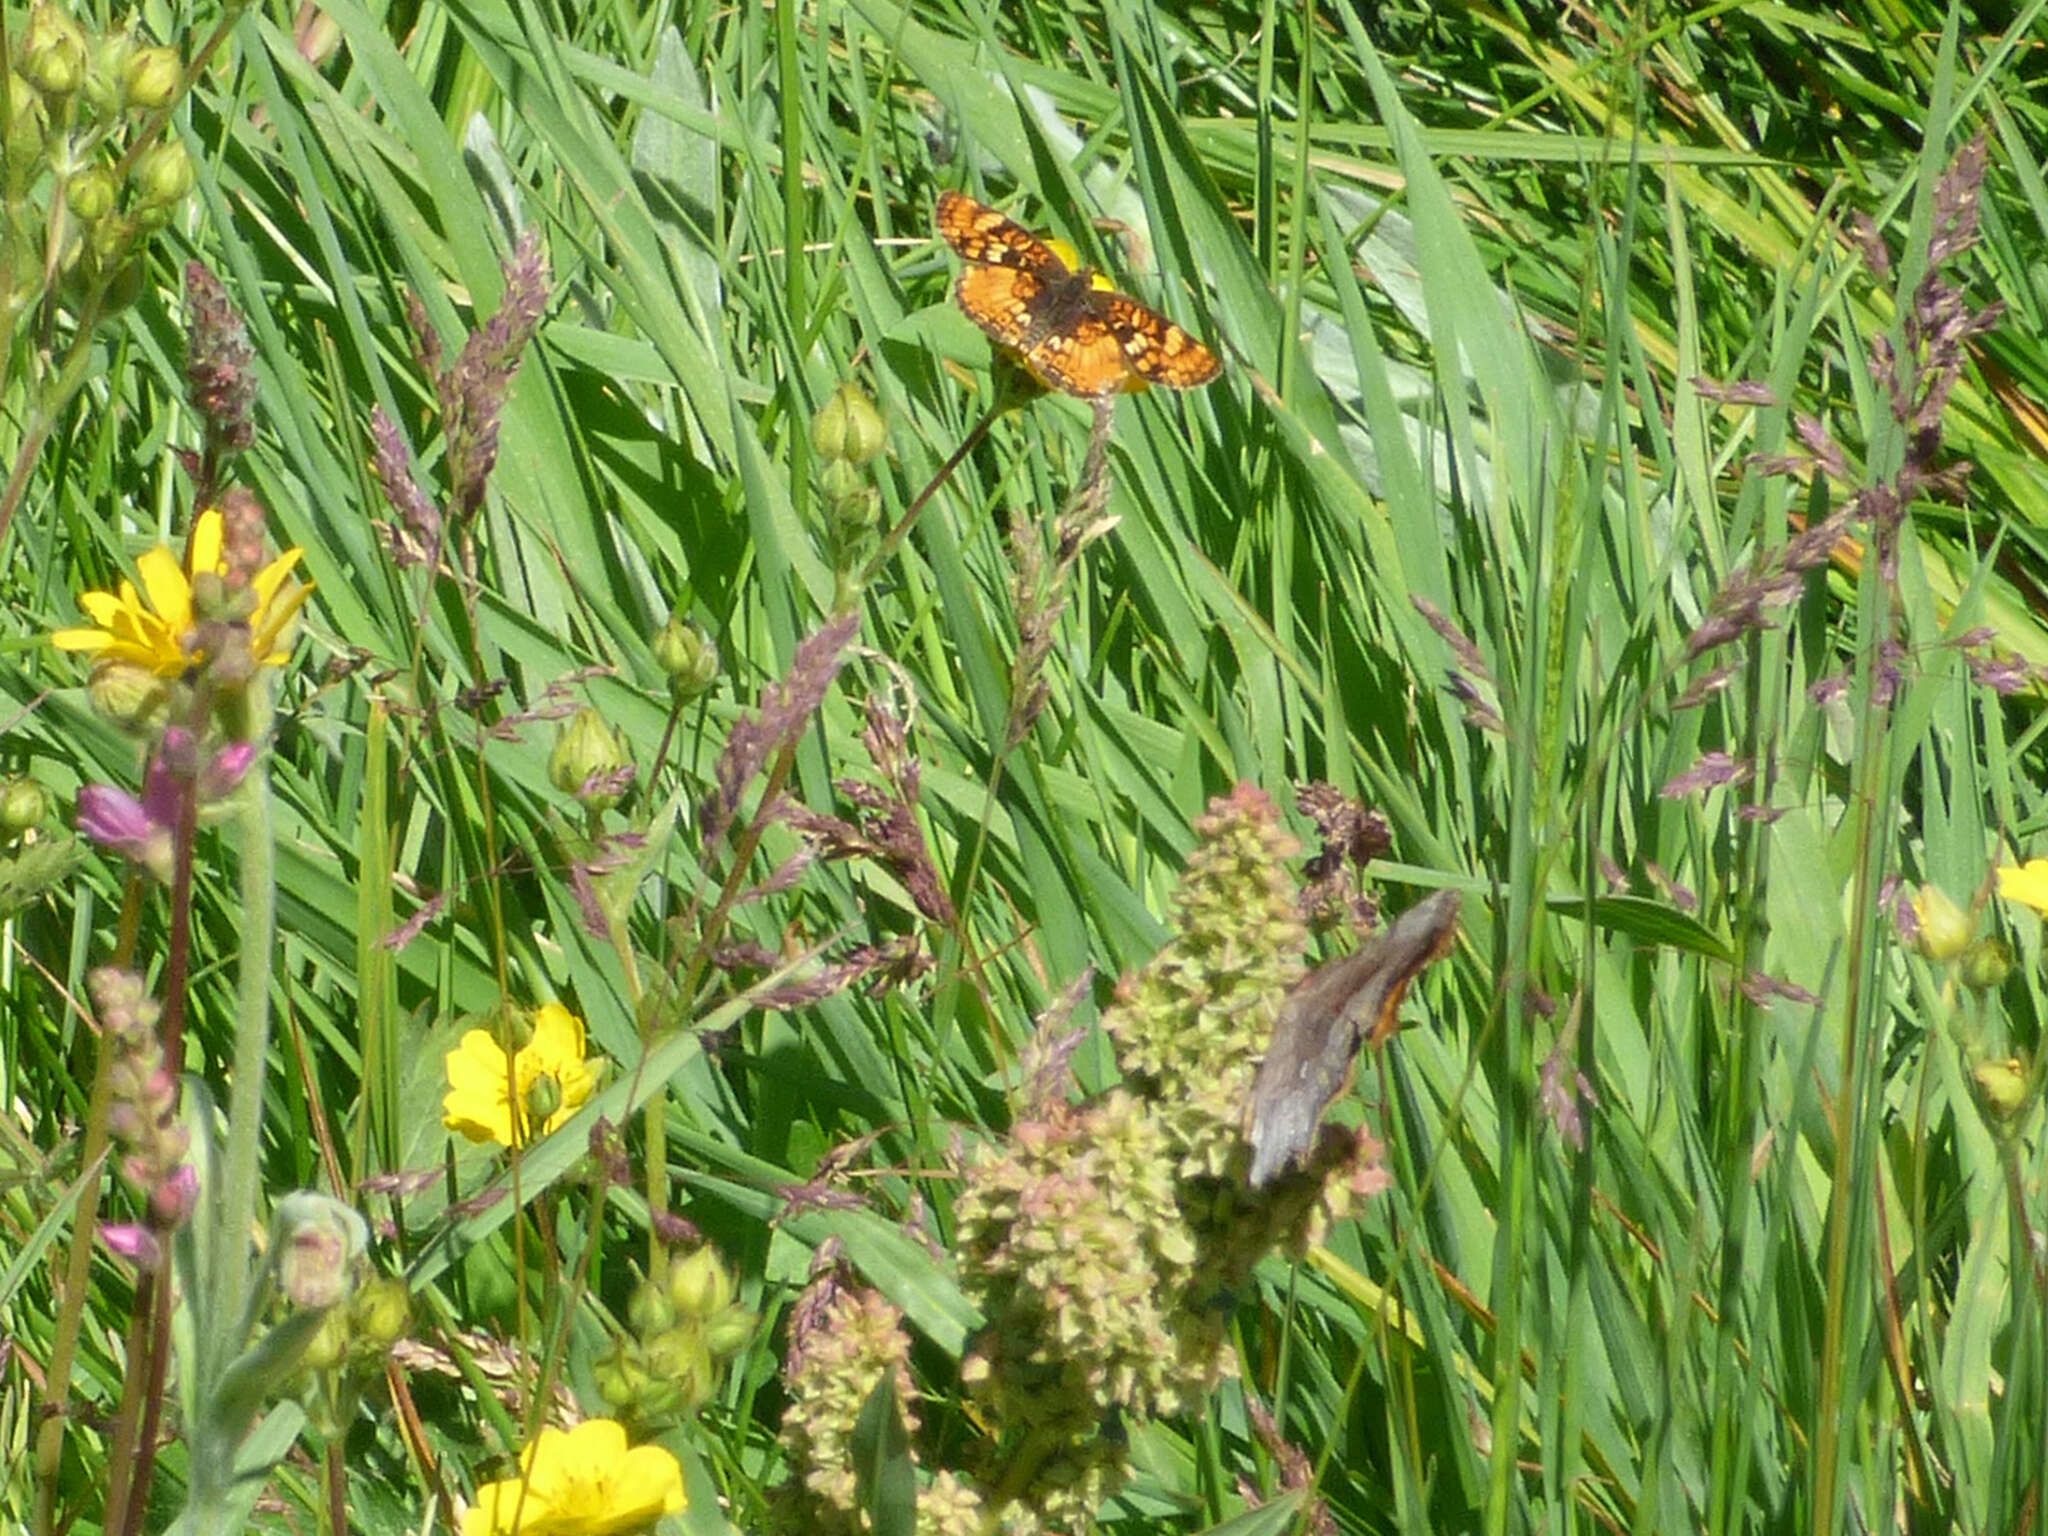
{"x":1073,"y":335}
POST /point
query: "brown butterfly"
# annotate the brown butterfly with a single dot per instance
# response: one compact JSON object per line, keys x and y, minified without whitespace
{"x":1322,"y":1023}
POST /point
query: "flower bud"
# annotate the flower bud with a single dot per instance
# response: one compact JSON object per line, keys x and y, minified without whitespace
{"x":1985,"y":965}
{"x":688,"y":656}
{"x":316,"y":1241}
{"x":543,"y":1099}
{"x":381,"y":1311}
{"x":110,"y":54}
{"x":839,"y":480}
{"x":328,"y":1345}
{"x":619,"y":1376}
{"x":90,"y":194}
{"x":53,"y":52}
{"x":586,"y":749}
{"x":150,"y":78}
{"x":163,"y":175}
{"x":24,"y":806}
{"x":700,"y":1286}
{"x":1945,"y":928}
{"x":2001,"y":1088}
{"x":680,"y":1363}
{"x":648,"y":1309}
{"x":132,"y":697}
{"x":724,"y":1332}
{"x":848,"y":427}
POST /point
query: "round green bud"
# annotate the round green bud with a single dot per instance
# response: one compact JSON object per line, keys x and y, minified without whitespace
{"x":839,"y":480}
{"x":700,"y":1286}
{"x":725,"y":1332}
{"x":648,"y":1309}
{"x":620,"y":1375}
{"x":1985,"y":965}
{"x":90,"y":194}
{"x":585,"y":749}
{"x":848,"y":427}
{"x":163,"y":175}
{"x":680,"y":1362}
{"x":687,"y":655}
{"x":150,"y":78}
{"x":24,"y":121}
{"x":24,"y":806}
{"x":1945,"y":928}
{"x":2002,"y":1088}
{"x":132,"y":697}
{"x":856,"y":514}
{"x":53,"y":52}
{"x":382,"y":1311}
{"x":329,"y":1344}
{"x":110,"y":54}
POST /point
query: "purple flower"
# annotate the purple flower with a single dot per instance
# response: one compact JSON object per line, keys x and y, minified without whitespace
{"x":138,"y":830}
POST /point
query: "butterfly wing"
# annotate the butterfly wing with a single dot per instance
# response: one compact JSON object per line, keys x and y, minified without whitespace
{"x":1321,"y":1024}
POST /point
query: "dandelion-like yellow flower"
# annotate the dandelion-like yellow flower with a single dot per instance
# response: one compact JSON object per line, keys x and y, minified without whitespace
{"x":547,"y":1078}
{"x":151,"y":629}
{"x":2026,"y":884}
{"x":580,"y":1482}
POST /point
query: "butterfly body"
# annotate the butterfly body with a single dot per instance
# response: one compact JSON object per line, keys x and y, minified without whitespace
{"x":1075,"y":333}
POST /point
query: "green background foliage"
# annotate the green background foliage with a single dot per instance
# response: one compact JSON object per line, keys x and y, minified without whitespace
{"x":1465,"y":268}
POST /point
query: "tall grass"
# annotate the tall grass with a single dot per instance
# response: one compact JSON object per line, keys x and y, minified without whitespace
{"x":1716,"y":1204}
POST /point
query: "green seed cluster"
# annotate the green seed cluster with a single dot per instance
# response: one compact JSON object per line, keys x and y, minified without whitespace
{"x":89,"y":173}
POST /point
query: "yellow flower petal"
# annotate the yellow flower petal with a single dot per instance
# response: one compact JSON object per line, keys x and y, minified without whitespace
{"x":2027,"y":884}
{"x":588,"y":1483}
{"x":170,"y":591}
{"x":209,"y":543}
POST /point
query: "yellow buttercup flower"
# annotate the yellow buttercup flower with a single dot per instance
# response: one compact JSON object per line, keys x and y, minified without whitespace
{"x":152,"y":629}
{"x":2027,"y":884}
{"x":546,"y":1079}
{"x":580,"y":1482}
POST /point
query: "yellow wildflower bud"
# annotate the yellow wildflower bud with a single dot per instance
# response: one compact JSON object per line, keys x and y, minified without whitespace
{"x":163,"y":175}
{"x":1945,"y":928}
{"x":329,"y":1343}
{"x":53,"y":52}
{"x":839,"y":480}
{"x":90,"y":194}
{"x":24,"y":806}
{"x":585,"y":749}
{"x":680,"y":1362}
{"x":648,"y":1309}
{"x":381,"y":1311}
{"x":110,"y":55}
{"x":151,"y":77}
{"x":687,"y":655}
{"x":620,"y":1375}
{"x":542,"y":1100}
{"x":132,"y":697}
{"x":1986,"y":964}
{"x":724,"y":1332}
{"x":848,"y":427}
{"x":2001,"y":1088}
{"x":700,"y":1286}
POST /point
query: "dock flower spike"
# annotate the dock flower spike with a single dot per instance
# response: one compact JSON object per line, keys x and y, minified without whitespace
{"x":152,"y":629}
{"x":580,"y":1482}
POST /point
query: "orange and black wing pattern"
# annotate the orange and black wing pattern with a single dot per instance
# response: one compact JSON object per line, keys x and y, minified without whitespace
{"x":1077,"y":337}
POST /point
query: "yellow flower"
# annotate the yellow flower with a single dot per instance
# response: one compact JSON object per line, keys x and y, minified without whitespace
{"x":548,"y":1076}
{"x":2027,"y":884}
{"x":580,"y":1482}
{"x":150,"y":629}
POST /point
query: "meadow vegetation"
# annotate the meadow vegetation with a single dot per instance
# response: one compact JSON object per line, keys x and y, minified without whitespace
{"x":642,"y":887}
